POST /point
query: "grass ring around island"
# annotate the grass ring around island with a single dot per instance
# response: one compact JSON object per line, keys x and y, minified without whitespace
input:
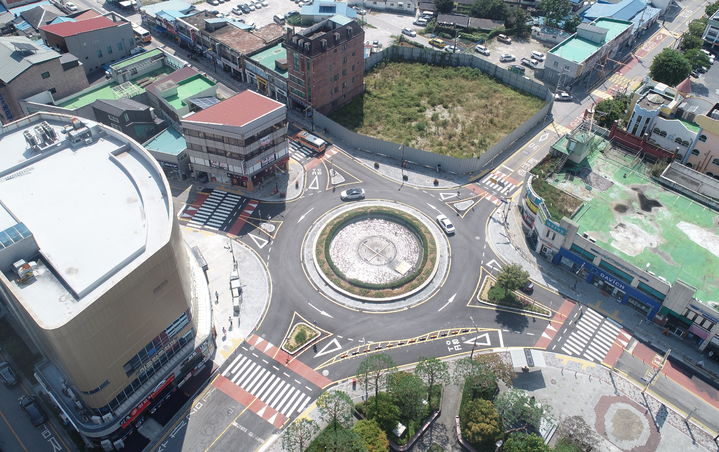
{"x":404,"y":285}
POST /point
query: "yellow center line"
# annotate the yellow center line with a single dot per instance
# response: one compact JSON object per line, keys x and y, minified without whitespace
{"x":13,"y":432}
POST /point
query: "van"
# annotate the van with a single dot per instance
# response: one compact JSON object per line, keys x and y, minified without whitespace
{"x":279,"y":20}
{"x":539,"y":56}
{"x":427,"y":14}
{"x":504,"y":38}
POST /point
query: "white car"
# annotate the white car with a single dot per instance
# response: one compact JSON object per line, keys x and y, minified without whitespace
{"x":481,"y":49}
{"x":409,"y":32}
{"x":506,"y":58}
{"x":352,"y":194}
{"x":563,"y":96}
{"x":71,"y":6}
{"x":451,"y":49}
{"x":445,"y":224}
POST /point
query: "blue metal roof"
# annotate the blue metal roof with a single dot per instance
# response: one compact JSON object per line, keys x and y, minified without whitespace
{"x":622,"y":10}
{"x":61,"y":19}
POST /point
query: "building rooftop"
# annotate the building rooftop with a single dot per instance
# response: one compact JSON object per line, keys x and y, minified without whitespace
{"x":136,"y":59}
{"x":67,"y":29}
{"x":578,"y":49}
{"x":238,"y":110}
{"x":18,"y":54}
{"x":188,"y":82}
{"x":632,"y":216}
{"x":171,"y":5}
{"x":87,"y":238}
{"x":328,"y":8}
{"x":169,"y":141}
{"x":269,"y":58}
{"x":112,"y":90}
{"x":623,"y":9}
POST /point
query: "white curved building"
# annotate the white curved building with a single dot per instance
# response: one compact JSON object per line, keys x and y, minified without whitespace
{"x":94,"y":269}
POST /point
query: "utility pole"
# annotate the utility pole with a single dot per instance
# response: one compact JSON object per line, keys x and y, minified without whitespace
{"x":474,"y":342}
{"x":661,"y":366}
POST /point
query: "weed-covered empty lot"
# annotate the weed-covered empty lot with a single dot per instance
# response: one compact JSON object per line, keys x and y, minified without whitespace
{"x":457,"y":111}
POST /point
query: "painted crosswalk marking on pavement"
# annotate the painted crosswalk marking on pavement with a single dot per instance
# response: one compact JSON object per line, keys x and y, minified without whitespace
{"x":592,"y":336}
{"x":216,"y":212}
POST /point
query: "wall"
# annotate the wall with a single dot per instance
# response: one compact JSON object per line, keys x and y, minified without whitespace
{"x":628,"y":141}
{"x":675,"y":130}
{"x":113,"y":44}
{"x":707,"y":144}
{"x":429,"y":159}
{"x":691,"y":184}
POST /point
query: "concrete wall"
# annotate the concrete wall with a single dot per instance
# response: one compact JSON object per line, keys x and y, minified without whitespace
{"x":692,"y":184}
{"x":674,"y":129}
{"x":429,"y":159}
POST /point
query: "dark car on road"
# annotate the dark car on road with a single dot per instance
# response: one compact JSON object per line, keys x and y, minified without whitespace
{"x":7,"y":375}
{"x":528,"y":288}
{"x":30,"y":406}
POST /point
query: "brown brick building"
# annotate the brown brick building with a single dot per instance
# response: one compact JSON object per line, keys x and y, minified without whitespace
{"x":325,"y":64}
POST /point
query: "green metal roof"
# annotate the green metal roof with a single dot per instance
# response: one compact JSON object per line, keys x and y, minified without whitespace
{"x":169,"y":141}
{"x":268,"y":57}
{"x":579,"y":49}
{"x":135,"y":59}
{"x":188,"y":88}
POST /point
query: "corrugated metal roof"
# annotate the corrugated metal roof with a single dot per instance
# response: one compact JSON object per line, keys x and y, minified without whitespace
{"x":66,"y":29}
{"x":16,"y":62}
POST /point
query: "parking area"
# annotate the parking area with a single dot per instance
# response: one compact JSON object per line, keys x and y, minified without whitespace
{"x":385,"y":26}
{"x":260,"y":17}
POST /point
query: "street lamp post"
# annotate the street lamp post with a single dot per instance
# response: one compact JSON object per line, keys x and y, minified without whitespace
{"x":474,"y":342}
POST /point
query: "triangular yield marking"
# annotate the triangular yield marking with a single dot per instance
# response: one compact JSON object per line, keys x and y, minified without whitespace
{"x":550,"y":327}
{"x":315,"y":184}
{"x":262,"y":411}
{"x":258,"y":341}
{"x":326,"y":349}
{"x":483,"y":337}
{"x":271,"y":420}
{"x":444,"y":196}
{"x":259,"y":241}
{"x":623,"y":343}
{"x":546,"y":335}
{"x":267,"y":347}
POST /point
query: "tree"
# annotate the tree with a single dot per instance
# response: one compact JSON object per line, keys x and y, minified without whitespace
{"x":480,"y":423}
{"x":382,"y":409}
{"x":501,"y":369}
{"x":519,"y":411}
{"x":711,"y":9}
{"x":697,"y":27}
{"x":407,"y":391}
{"x":610,"y":110}
{"x":524,"y":442}
{"x":477,"y":379}
{"x":512,"y":277}
{"x":571,"y":24}
{"x":444,"y":6}
{"x":555,"y":11}
{"x":341,"y":440}
{"x":335,"y":408}
{"x":488,"y":9}
{"x":697,"y":58}
{"x":373,"y":370}
{"x":670,"y":67}
{"x":691,"y":42}
{"x":432,"y":371}
{"x":575,"y":431}
{"x":298,"y":435}
{"x":519,"y":20}
{"x":372,"y":436}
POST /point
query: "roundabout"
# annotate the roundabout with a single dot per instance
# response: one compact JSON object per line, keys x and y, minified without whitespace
{"x":376,"y":255}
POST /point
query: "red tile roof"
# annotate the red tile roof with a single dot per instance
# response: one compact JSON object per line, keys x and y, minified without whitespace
{"x":65,"y":29}
{"x":238,"y":110}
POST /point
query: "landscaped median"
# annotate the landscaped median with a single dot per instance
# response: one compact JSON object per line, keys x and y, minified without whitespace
{"x":300,"y":335}
{"x":414,"y":278}
{"x":492,"y":294}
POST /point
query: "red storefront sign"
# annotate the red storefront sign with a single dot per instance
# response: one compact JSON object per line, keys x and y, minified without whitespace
{"x":142,"y":406}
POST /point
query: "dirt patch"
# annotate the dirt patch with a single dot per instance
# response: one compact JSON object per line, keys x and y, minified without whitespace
{"x":631,"y":239}
{"x":621,"y":208}
{"x":647,"y":204}
{"x":697,"y":234}
{"x":626,"y":425}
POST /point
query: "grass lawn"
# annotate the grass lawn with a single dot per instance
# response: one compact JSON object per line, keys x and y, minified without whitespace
{"x":455,"y":111}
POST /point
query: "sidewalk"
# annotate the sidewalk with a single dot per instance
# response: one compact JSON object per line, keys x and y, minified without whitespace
{"x":280,"y":187}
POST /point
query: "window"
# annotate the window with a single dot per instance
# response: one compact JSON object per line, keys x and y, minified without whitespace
{"x":710,"y":174}
{"x":702,"y":138}
{"x":45,"y":75}
{"x":119,"y":46}
{"x":53,"y":90}
{"x":296,"y":61}
{"x":694,"y":151}
{"x":715,"y":161}
{"x":99,"y":53}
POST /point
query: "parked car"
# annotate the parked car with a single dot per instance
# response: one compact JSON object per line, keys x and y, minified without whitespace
{"x":529,"y":63}
{"x":452,"y":49}
{"x":245,"y":9}
{"x":445,"y":224}
{"x":562,"y":96}
{"x":527,"y":288}
{"x":481,"y":49}
{"x":213,"y":2}
{"x":517,"y":69}
{"x":409,"y":32}
{"x":29,"y":405}
{"x":421,"y":22}
{"x":352,"y":194}
{"x":7,"y":375}
{"x":504,"y":38}
{"x":265,"y":3}
{"x":279,"y":20}
{"x":289,"y":14}
{"x":237,"y":11}
{"x":506,"y":58}
{"x":251,"y":6}
{"x":361,"y":12}
{"x":71,"y":6}
{"x":539,"y":56}
{"x":694,"y":74}
{"x":701,"y":70}
{"x":257,"y":5}
{"x":434,"y":42}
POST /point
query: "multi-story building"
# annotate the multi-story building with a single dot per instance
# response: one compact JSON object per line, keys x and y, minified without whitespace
{"x":589,"y":51}
{"x":704,"y":156}
{"x":96,"y":41}
{"x":28,"y":69}
{"x":238,"y":141}
{"x":100,"y":280}
{"x":325,"y":64}
{"x":711,"y":32}
{"x":170,"y":94}
{"x":266,"y":72}
{"x":136,"y":120}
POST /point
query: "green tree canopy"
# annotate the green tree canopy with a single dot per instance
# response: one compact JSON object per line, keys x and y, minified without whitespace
{"x":480,"y":423}
{"x":382,"y":409}
{"x":670,"y":67}
{"x":610,"y":110}
{"x":697,"y":58}
{"x":555,"y":11}
{"x":571,"y":24}
{"x":407,"y":391}
{"x":340,"y":440}
{"x":335,"y":408}
{"x":711,"y":8}
{"x":488,"y":9}
{"x":519,"y":410}
{"x":373,"y":370}
{"x":433,"y":372}
{"x":298,"y":434}
{"x":697,"y":27}
{"x":574,"y":431}
{"x":373,"y":438}
{"x":518,"y":20}
{"x":444,"y":6}
{"x":524,"y":442}
{"x":690,"y":42}
{"x":512,"y":277}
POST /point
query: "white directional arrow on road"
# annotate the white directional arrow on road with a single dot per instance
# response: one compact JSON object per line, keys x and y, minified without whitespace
{"x":324,"y":313}
{"x":494,"y":265}
{"x":303,"y":216}
{"x":259,"y":241}
{"x":451,"y":299}
{"x":484,"y":337}
{"x":332,"y":346}
{"x":433,"y":207}
{"x":447,"y":195}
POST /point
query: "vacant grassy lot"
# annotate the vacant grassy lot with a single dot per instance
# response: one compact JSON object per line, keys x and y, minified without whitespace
{"x":456,"y":111}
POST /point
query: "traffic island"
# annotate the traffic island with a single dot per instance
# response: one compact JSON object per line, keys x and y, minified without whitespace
{"x":490,"y":293}
{"x":376,"y":255}
{"x":300,"y":335}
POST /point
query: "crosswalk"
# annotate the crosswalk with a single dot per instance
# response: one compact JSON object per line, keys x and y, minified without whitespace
{"x":593,"y":336}
{"x":299,"y":152}
{"x":216,"y":212}
{"x":500,"y":183}
{"x":265,"y":382}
